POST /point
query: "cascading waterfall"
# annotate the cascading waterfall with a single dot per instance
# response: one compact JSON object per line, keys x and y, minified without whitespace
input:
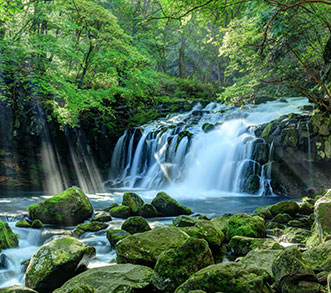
{"x":174,"y":152}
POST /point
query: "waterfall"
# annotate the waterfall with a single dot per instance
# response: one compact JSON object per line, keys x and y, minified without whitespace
{"x":176,"y":153}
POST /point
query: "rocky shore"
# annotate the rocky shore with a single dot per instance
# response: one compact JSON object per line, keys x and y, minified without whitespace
{"x":285,"y":247}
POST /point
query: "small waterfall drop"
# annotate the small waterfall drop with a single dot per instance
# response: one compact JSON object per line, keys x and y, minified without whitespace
{"x":176,"y":153}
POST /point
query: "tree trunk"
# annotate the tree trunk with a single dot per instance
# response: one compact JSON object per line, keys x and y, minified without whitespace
{"x":182,"y":57}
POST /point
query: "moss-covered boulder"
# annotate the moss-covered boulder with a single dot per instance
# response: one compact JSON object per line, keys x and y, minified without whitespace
{"x":82,"y":289}
{"x":101,"y":217}
{"x":8,"y":239}
{"x":222,"y":222}
{"x":120,"y":278}
{"x":92,"y":226}
{"x":319,"y":257}
{"x":306,"y":208}
{"x":37,"y":224}
{"x":184,"y":221}
{"x":241,"y":245}
{"x":23,"y":224}
{"x":17,"y":289}
{"x":133,"y":201}
{"x":144,"y":248}
{"x":210,"y":232}
{"x":206,"y":127}
{"x":135,"y":225}
{"x":167,"y":206}
{"x":122,"y":212}
{"x":290,"y":267}
{"x":245,"y":225}
{"x":285,"y":207}
{"x":228,"y":278}
{"x":115,"y":235}
{"x":67,"y":208}
{"x":295,"y":235}
{"x":149,"y":211}
{"x":108,"y":208}
{"x":263,"y":212}
{"x":56,"y":262}
{"x":261,"y":259}
{"x":281,"y":218}
{"x":322,"y":216}
{"x":175,"y":266}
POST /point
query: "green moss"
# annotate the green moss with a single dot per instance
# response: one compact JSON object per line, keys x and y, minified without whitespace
{"x":148,"y":211}
{"x":23,"y":224}
{"x":92,"y":226}
{"x":135,"y":224}
{"x":8,"y":239}
{"x":133,"y":201}
{"x":181,"y":135}
{"x":115,"y":235}
{"x":287,"y":207}
{"x":208,"y":127}
{"x":37,"y":224}
{"x":121,"y":212}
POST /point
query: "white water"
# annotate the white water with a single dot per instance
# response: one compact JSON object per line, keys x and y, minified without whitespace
{"x":213,"y":162}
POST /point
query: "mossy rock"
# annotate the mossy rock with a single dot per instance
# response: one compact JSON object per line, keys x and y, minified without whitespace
{"x":17,"y":289}
{"x":167,"y":206}
{"x":101,"y":217}
{"x":222,"y":222}
{"x":290,"y":267}
{"x":319,"y":257}
{"x":149,"y":211}
{"x":175,"y":266}
{"x":181,"y":135}
{"x":144,"y":248}
{"x":115,"y":235}
{"x":322,"y":217}
{"x":261,"y":259}
{"x":281,"y":218}
{"x":122,"y":212}
{"x":37,"y":224}
{"x":120,"y":278}
{"x":108,"y":208}
{"x":306,"y":208}
{"x":8,"y":239}
{"x":183,"y":221}
{"x":245,"y":225}
{"x":82,"y":289}
{"x":206,"y":127}
{"x":135,"y":225}
{"x":23,"y":224}
{"x":287,"y":207}
{"x":67,"y":208}
{"x":241,"y":245}
{"x":210,"y":232}
{"x":92,"y":226}
{"x":295,"y":235}
{"x":228,"y":278}
{"x":274,"y":225}
{"x":56,"y":262}
{"x":133,"y":201}
{"x":263,"y":212}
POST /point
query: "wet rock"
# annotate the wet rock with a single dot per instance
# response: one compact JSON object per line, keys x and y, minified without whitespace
{"x":282,"y":218}
{"x":241,"y":245}
{"x":23,"y":224}
{"x":17,"y":289}
{"x":67,"y":208}
{"x":3,"y":261}
{"x":113,"y":205}
{"x":92,"y":226}
{"x":319,"y":257}
{"x":8,"y":239}
{"x":222,"y":222}
{"x":124,"y":278}
{"x":184,"y":221}
{"x":122,"y":212}
{"x":228,"y":278}
{"x":301,"y":287}
{"x":274,"y":225}
{"x":208,"y":127}
{"x":322,"y":216}
{"x":82,"y":289}
{"x":245,"y":225}
{"x":306,"y":208}
{"x":286,"y":207}
{"x":261,"y":259}
{"x":295,"y":235}
{"x":101,"y":217}
{"x":148,"y":211}
{"x":56,"y":262}
{"x":167,"y":206}
{"x":115,"y":235}
{"x":37,"y":224}
{"x":135,"y":225}
{"x":175,"y":266}
{"x":133,"y":201}
{"x":144,"y":248}
{"x":290,"y":267}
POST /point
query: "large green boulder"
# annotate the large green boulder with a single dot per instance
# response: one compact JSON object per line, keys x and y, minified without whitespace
{"x":120,"y":278}
{"x":17,"y":289}
{"x":167,"y":206}
{"x":210,"y":232}
{"x":228,"y":278}
{"x":144,"y":248}
{"x":290,"y":267}
{"x":263,"y":212}
{"x":122,"y":212}
{"x":319,"y":257}
{"x":261,"y":259}
{"x":101,"y":217}
{"x":92,"y":226}
{"x":67,"y":208}
{"x":322,"y":216}
{"x":285,"y":207}
{"x":133,"y":201}
{"x":241,"y":245}
{"x":8,"y":239}
{"x":148,"y":211}
{"x":184,"y":221}
{"x":222,"y":222}
{"x":281,"y":218}
{"x":135,"y":225}
{"x":175,"y":266}
{"x":295,"y":235}
{"x":23,"y":224}
{"x":115,"y":235}
{"x":245,"y":225}
{"x":56,"y":262}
